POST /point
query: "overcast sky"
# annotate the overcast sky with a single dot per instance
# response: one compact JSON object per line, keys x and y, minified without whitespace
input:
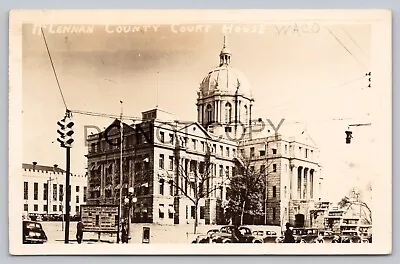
{"x":306,"y":73}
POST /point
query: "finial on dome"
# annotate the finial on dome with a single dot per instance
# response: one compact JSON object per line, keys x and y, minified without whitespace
{"x":225,"y":54}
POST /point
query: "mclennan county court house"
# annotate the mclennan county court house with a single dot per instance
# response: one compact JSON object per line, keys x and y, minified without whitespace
{"x":156,"y":146}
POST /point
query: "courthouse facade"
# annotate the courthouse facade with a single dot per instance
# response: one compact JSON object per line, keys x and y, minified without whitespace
{"x":157,"y":147}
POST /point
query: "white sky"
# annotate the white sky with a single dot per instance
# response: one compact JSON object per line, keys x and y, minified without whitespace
{"x":306,"y":77}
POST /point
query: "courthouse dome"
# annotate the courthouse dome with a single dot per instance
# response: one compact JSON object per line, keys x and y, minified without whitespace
{"x":225,"y":80}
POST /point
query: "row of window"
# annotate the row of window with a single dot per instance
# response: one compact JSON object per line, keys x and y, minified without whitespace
{"x":56,"y":187}
{"x":55,"y":207}
{"x":308,"y":153}
{"x":202,"y":146}
{"x":163,"y":210}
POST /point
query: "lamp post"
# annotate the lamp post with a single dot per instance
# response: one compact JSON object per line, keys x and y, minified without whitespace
{"x":129,"y":200}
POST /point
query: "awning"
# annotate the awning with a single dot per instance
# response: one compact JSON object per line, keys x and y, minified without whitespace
{"x":161,"y":209}
{"x":144,"y":210}
{"x":171,"y":210}
{"x":96,"y":189}
{"x":118,"y":186}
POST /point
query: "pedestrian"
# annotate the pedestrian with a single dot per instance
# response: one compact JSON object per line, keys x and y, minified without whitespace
{"x":79,"y":231}
{"x":124,"y":235}
{"x":289,"y":238}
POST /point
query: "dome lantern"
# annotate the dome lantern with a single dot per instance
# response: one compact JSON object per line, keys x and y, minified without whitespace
{"x":225,"y":54}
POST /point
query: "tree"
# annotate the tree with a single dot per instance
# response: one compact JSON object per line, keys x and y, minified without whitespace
{"x":247,"y":192}
{"x":355,"y":199}
{"x":195,"y":180}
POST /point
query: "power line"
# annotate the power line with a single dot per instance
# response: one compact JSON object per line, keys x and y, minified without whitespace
{"x":341,"y":43}
{"x":352,"y":39}
{"x":54,"y":70}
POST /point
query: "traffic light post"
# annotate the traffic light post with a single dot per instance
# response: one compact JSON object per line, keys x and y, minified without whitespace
{"x":65,"y":138}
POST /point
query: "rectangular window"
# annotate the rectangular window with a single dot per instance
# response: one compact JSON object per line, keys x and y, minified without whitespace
{"x":35,"y":207}
{"x":251,"y":169}
{"x":162,"y":137}
{"x":285,"y":192}
{"x":171,"y":162}
{"x":77,"y":209}
{"x":171,"y":139}
{"x":203,"y":148}
{"x":252,"y":152}
{"x":36,"y":191}
{"x":45,"y":191}
{"x":171,"y":187}
{"x":171,"y":211}
{"x":227,"y":171}
{"x":234,"y":152}
{"x":194,"y":143}
{"x":227,"y":152}
{"x":262,"y":152}
{"x":45,"y":208}
{"x":162,"y":187}
{"x":54,"y":192}
{"x":214,"y":148}
{"x":306,"y":154}
{"x":187,"y":211}
{"x":84,"y":194}
{"x":60,"y":208}
{"x":274,"y":167}
{"x":61,"y":193}
{"x":161,"y":161}
{"x":77,"y":199}
{"x":192,"y":212}
{"x":77,"y":188}
{"x":54,"y":208}
{"x":262,"y":169}
{"x":285,"y":149}
{"x":202,"y":212}
{"x":26,"y":207}
{"x":161,"y":211}
{"x":273,"y":213}
{"x":25,"y":190}
{"x":221,"y":150}
{"x":274,"y":191}
{"x":228,"y":129}
{"x":221,"y":170}
{"x":274,"y":151}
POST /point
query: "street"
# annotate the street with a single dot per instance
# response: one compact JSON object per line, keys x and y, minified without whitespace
{"x":158,"y":233}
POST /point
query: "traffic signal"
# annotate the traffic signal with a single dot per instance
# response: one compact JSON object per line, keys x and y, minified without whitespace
{"x":348,"y":137}
{"x":61,"y":132}
{"x":68,"y":132}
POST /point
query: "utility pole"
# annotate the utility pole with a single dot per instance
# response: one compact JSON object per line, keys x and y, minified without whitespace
{"x":120,"y":179}
{"x":66,"y":140}
{"x":48,"y":196}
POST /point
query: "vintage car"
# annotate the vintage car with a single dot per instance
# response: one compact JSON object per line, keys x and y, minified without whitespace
{"x":225,"y":235}
{"x":33,"y":233}
{"x":305,"y":235}
{"x":350,"y":236}
{"x":202,"y":239}
{"x":266,"y":236}
{"x":365,"y":234}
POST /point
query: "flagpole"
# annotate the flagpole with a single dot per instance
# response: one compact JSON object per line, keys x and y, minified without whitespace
{"x":120,"y":179}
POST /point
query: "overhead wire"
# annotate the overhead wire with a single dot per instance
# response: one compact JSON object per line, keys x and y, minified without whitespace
{"x":54,"y":70}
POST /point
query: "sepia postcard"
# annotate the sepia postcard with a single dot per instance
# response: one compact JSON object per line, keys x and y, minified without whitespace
{"x":213,"y":132}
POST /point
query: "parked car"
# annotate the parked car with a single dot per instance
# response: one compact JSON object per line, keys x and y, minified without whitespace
{"x":350,"y":236}
{"x":202,"y":239}
{"x":225,"y":235}
{"x":305,"y":235}
{"x":33,"y":233}
{"x":266,"y":236}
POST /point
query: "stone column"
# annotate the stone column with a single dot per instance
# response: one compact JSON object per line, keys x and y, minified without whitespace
{"x":220,"y":112}
{"x":102,"y":181}
{"x":306,"y":184}
{"x":312,"y":184}
{"x":299,"y":182}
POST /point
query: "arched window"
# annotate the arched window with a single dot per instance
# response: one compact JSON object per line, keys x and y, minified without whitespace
{"x":228,"y":113}
{"x":209,"y":113}
{"x":246,"y":114}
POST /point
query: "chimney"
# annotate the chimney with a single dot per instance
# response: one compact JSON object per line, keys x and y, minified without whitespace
{"x":55,"y":166}
{"x":34,"y":165}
